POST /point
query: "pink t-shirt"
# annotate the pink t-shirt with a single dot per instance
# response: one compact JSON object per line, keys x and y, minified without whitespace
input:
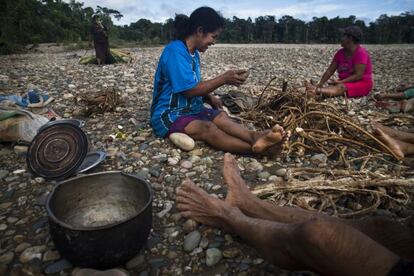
{"x":346,"y":65}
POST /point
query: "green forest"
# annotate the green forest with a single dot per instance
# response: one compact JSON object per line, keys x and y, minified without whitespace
{"x":25,"y":22}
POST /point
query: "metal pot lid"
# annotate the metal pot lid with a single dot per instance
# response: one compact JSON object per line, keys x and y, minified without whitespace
{"x":92,"y":160}
{"x":75,"y":122}
{"x":57,"y":150}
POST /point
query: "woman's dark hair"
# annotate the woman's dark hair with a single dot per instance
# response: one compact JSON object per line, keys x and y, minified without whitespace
{"x":205,"y":17}
{"x":354,"y":32}
{"x":355,"y":40}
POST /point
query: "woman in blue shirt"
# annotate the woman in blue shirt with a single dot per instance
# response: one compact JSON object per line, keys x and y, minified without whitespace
{"x":179,"y":92}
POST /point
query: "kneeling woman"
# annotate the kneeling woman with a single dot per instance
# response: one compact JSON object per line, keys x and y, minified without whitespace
{"x":179,"y":92}
{"x":354,"y":69}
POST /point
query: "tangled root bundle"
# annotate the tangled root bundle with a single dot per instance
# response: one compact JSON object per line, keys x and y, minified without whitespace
{"x":103,"y":101}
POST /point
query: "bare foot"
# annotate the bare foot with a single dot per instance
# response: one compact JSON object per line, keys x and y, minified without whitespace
{"x":279,"y":147}
{"x":391,"y":132}
{"x":394,"y":133}
{"x":237,"y":191}
{"x":269,"y":139}
{"x":310,"y":89}
{"x":197,"y":204}
{"x":392,"y":143}
{"x":393,"y":107}
{"x":258,"y":134}
{"x":380,"y":96}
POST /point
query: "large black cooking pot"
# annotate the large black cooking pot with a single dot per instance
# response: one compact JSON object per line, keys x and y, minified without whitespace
{"x":100,"y":220}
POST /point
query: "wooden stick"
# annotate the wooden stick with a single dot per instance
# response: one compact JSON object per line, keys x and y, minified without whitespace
{"x":344,"y":183}
{"x":337,"y":118}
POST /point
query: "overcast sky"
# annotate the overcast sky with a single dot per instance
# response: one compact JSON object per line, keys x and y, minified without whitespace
{"x":160,"y":10}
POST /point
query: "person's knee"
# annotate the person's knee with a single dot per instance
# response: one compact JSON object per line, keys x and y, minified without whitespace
{"x":203,"y":130}
{"x":222,"y":116}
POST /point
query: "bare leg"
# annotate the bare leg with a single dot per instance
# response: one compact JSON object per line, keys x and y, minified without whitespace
{"x":223,"y":122}
{"x":332,"y":91}
{"x":240,"y":196}
{"x":391,"y":234}
{"x":260,"y":141}
{"x":395,"y":133}
{"x":393,"y":106}
{"x":329,"y":91}
{"x":400,"y":148}
{"x":317,"y":245}
{"x":393,"y":96}
{"x":210,"y":133}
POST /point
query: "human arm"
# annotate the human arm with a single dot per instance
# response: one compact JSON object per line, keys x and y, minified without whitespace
{"x":356,"y":76}
{"x":214,"y":101}
{"x":204,"y":88}
{"x":185,"y":77}
{"x":328,"y":73}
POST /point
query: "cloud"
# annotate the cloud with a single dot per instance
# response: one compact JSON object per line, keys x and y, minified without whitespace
{"x":305,"y":9}
{"x":160,"y":10}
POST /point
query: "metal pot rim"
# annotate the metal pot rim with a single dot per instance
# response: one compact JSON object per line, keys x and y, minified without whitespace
{"x":70,"y":227}
{"x":76,"y":122}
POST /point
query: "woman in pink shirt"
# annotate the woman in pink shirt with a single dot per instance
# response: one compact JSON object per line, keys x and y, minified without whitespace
{"x":353,"y":64}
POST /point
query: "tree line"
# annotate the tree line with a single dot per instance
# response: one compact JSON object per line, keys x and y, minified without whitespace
{"x":39,"y":21}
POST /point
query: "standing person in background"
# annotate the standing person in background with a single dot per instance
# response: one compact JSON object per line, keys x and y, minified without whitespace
{"x":353,"y":64}
{"x":100,"y":40}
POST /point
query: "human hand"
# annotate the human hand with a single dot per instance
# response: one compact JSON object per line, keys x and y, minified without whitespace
{"x":235,"y":77}
{"x":215,"y":102}
{"x":331,"y":82}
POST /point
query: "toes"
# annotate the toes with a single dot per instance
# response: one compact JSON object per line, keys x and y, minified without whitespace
{"x":230,"y":161}
{"x":189,"y":193}
{"x":278,"y":128}
{"x":184,"y":187}
{"x":286,"y":140}
{"x":228,"y":158}
{"x":186,"y":190}
{"x":181,"y":206}
{"x":193,"y":190}
{"x":186,"y":182}
{"x":181,"y":192}
{"x":287,"y":136}
{"x":188,"y":186}
{"x":184,"y":200}
{"x":187,"y":214}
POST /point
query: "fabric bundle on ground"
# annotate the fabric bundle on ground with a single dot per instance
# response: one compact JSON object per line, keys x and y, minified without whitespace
{"x":22,"y":115}
{"x":19,"y":125}
{"x":115,"y":56}
{"x":32,"y":99}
